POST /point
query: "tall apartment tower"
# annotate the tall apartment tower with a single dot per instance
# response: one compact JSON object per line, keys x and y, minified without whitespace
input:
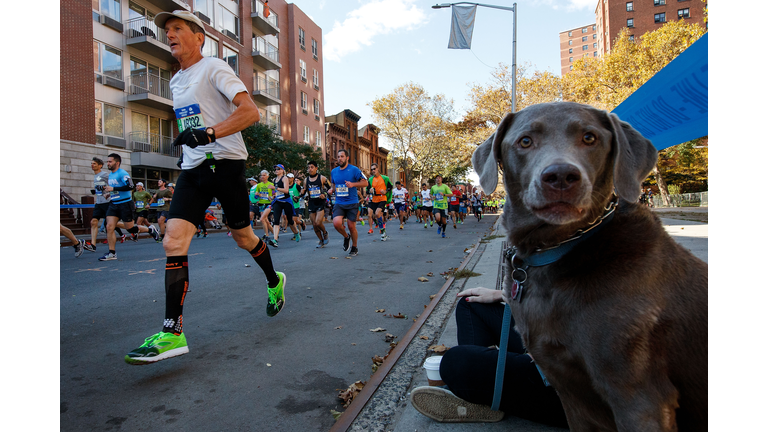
{"x":611,"y":16}
{"x":277,"y":55}
{"x":640,"y":17}
{"x":575,"y":44}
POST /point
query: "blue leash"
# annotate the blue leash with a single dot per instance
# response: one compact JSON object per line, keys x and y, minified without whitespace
{"x":502,"y":361}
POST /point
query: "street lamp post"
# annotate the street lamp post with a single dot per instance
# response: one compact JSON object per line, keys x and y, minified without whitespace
{"x":514,"y":39}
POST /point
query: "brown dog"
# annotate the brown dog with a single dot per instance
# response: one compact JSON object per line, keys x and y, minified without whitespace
{"x":618,"y":324}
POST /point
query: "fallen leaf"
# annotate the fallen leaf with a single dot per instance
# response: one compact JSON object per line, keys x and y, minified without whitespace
{"x":429,"y":250}
{"x":424,"y":337}
{"x":247,"y":265}
{"x":438,"y":348}
{"x":269,"y":365}
{"x":335,"y":414}
{"x":348,"y":257}
{"x":400,"y":315}
{"x":378,"y":359}
{"x":389,"y":338}
{"x":422,"y":279}
{"x":353,"y":344}
{"x":432,"y":296}
{"x":334,"y":258}
{"x":337,"y":328}
{"x":430,"y":274}
{"x":429,"y":261}
{"x":380,"y":310}
{"x":378,"y":329}
{"x":349,"y":394}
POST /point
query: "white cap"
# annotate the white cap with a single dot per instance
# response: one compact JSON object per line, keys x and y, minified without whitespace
{"x":140,"y":184}
{"x":290,"y":175}
{"x":162,"y":17}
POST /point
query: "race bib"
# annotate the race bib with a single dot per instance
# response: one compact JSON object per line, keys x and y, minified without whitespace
{"x":160,"y":202}
{"x":139,"y":204}
{"x":264,"y":195}
{"x":438,"y":196}
{"x":342,"y":191}
{"x":314,"y":192}
{"x":189,"y":117}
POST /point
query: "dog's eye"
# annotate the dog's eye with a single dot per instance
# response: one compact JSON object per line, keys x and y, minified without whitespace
{"x":525,"y":142}
{"x":589,"y":138}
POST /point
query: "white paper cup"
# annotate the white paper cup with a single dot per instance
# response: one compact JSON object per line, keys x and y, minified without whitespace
{"x":432,"y":366}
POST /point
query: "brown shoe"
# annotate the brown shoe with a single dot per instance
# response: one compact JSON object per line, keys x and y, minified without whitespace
{"x":443,"y":406}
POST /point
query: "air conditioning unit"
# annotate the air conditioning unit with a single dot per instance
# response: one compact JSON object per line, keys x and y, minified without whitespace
{"x":231,"y":35}
{"x":203,"y":18}
{"x":142,"y":147}
{"x":114,"y":141}
{"x":111,"y":23}
{"x":113,"y":82}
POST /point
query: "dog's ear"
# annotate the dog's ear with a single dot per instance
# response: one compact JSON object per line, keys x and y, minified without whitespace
{"x":635,"y":158}
{"x":486,"y":157}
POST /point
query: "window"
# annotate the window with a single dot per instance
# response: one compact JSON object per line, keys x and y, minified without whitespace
{"x":594,"y":45}
{"x":110,"y":8}
{"x":583,"y":38}
{"x":148,"y":77}
{"x":659,"y":2}
{"x":594,"y":36}
{"x":205,"y":7}
{"x":570,"y":50}
{"x":304,"y":102}
{"x":301,"y":38}
{"x":317,"y":107}
{"x":210,"y":47}
{"x":594,"y":27}
{"x":109,"y":120}
{"x":230,"y":56}
{"x":584,"y":47}
{"x":318,"y":138}
{"x":316,"y":78}
{"x":683,"y":13}
{"x":314,"y":48}
{"x":595,"y":54}
{"x":107,"y":60}
{"x":230,"y":24}
{"x":303,"y":70}
{"x":149,"y":177}
{"x":631,"y":38}
{"x":584,"y":30}
{"x":137,"y":11}
{"x":570,"y":42}
{"x":306,"y":134}
{"x":152,"y":130}
{"x":570,"y":34}
{"x":659,"y":17}
{"x":570,"y":59}
{"x":630,"y":6}
{"x":630,"y":22}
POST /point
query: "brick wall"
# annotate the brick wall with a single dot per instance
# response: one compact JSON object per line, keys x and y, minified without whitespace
{"x":76,"y":63}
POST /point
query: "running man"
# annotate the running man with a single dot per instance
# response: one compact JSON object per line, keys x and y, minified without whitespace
{"x":400,"y":198}
{"x":253,"y":197}
{"x":315,"y":186}
{"x":296,"y":190}
{"x":142,"y":200}
{"x":163,"y":198}
{"x":453,"y":204}
{"x":212,"y":106}
{"x":345,"y":179}
{"x":265,"y":191}
{"x":282,"y":204}
{"x":426,"y":205}
{"x":380,"y":190}
{"x":440,"y":194}
{"x":121,"y":206}
{"x":100,"y":179}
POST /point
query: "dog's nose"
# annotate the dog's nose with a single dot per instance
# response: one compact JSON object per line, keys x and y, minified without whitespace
{"x":561,"y":176}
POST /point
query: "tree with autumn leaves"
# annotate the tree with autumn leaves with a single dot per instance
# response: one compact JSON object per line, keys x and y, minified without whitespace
{"x":603,"y":82}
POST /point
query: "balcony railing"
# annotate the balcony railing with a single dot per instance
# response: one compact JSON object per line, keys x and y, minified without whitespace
{"x":258,"y":7}
{"x":267,"y":49}
{"x":153,"y":143}
{"x":266,"y":85}
{"x":145,"y":83}
{"x":271,"y":119}
{"x":141,"y":26}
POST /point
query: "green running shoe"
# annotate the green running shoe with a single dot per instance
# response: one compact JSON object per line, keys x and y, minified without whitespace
{"x":158,"y":347}
{"x":276,"y":297}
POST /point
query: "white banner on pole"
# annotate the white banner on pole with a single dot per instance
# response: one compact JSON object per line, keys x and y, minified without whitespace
{"x":462,"y":24}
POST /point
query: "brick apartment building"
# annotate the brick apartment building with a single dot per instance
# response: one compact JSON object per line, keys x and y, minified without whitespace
{"x":342,"y":132}
{"x":611,"y":16}
{"x":278,"y":57}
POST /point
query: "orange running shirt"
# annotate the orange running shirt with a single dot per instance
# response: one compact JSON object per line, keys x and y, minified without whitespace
{"x":379,"y":185}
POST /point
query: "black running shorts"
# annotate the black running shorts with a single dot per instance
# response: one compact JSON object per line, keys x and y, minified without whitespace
{"x":100,"y":210}
{"x":123,"y":211}
{"x":196,"y":188}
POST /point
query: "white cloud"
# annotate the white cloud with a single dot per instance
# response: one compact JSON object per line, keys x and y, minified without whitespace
{"x":372,"y":19}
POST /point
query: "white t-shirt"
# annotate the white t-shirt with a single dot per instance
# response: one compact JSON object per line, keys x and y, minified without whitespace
{"x":426,"y":200}
{"x":202,"y":97}
{"x":399,"y":195}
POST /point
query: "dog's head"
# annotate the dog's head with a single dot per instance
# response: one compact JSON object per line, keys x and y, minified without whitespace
{"x":561,"y":162}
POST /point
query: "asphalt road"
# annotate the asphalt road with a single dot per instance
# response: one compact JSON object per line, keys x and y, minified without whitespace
{"x":244,"y":371}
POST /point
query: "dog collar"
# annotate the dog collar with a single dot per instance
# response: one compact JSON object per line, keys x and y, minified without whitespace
{"x":552,"y":254}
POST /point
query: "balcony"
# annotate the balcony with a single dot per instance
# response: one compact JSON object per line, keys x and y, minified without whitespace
{"x":170,"y":5}
{"x":266,"y":91}
{"x":153,"y":150}
{"x":267,"y":25}
{"x":266,"y":55}
{"x":144,"y":35}
{"x":150,"y":90}
{"x":272,"y":120}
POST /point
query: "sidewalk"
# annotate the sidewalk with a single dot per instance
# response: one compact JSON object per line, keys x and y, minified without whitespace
{"x":692,"y":235}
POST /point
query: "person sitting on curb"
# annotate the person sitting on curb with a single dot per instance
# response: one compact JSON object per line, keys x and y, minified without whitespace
{"x":469,"y":371}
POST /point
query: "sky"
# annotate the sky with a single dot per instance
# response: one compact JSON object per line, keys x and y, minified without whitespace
{"x":370,"y":47}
